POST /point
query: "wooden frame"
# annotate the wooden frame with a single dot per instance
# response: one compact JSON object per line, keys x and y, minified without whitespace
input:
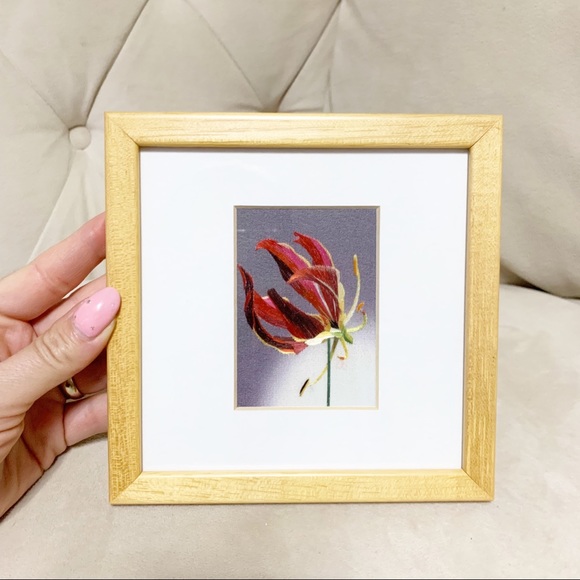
{"x":481,"y":135}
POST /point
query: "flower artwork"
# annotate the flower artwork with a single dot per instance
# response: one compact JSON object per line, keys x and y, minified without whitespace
{"x":319,"y":283}
{"x":300,"y":311}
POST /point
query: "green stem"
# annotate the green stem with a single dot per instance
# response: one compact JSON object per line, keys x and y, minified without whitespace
{"x":328,"y":373}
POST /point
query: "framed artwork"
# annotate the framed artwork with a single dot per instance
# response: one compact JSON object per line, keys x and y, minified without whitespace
{"x":309,"y":307}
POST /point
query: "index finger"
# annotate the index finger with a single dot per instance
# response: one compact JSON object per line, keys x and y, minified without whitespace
{"x":28,"y":292}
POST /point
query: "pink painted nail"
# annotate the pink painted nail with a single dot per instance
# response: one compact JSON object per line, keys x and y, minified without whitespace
{"x":97,"y":312}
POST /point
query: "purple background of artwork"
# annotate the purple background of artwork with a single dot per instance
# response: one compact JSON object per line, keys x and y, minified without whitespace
{"x":344,"y":231}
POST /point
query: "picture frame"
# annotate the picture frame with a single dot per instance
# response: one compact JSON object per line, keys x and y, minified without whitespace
{"x":448,"y":245}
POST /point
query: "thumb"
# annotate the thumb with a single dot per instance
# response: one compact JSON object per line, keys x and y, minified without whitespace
{"x":70,"y":345}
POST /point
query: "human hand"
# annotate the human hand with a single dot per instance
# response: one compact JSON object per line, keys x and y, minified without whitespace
{"x":44,"y":340}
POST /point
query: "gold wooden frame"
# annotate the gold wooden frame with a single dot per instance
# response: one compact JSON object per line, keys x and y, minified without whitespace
{"x":481,"y":135}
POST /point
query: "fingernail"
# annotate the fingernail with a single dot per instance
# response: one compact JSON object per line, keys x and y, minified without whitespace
{"x":97,"y":312}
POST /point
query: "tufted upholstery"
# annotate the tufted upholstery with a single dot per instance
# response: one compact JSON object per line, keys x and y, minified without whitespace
{"x":64,"y":63}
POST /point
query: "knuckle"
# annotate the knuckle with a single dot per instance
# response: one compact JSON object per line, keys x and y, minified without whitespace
{"x":52,"y":282}
{"x":54,"y":348}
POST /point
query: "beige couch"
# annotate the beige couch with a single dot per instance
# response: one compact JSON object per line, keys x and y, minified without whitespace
{"x":63,"y":63}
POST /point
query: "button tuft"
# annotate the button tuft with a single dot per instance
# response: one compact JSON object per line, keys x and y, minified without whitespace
{"x":80,"y":137}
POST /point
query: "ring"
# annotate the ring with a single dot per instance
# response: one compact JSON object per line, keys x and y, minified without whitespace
{"x":70,"y":390}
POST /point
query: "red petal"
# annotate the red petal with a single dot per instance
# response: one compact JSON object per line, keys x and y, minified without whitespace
{"x":322,"y":275}
{"x":281,"y":343}
{"x":319,"y":254}
{"x":289,"y":262}
{"x":327,"y":280}
{"x":299,"y":323}
{"x":265,"y":309}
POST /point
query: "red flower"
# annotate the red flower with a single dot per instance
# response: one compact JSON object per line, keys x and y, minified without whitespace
{"x":318,"y":282}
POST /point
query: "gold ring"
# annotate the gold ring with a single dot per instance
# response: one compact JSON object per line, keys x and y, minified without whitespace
{"x":70,"y":390}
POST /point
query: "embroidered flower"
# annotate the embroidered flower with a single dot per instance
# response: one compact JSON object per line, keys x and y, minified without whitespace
{"x":318,"y":281}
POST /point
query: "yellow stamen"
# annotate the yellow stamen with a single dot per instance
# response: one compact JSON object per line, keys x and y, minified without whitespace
{"x":357,"y":294}
{"x":355,"y":266}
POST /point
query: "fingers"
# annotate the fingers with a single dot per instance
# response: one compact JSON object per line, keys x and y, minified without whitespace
{"x":47,"y":319}
{"x":85,"y":419}
{"x":93,"y":378}
{"x":30,"y":291}
{"x":69,"y":346}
